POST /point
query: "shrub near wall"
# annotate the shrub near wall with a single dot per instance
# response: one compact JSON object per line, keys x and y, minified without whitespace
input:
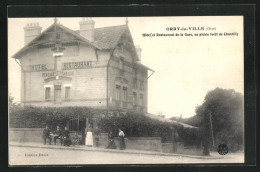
{"x":132,"y":123}
{"x":138,"y":125}
{"x":37,"y":117}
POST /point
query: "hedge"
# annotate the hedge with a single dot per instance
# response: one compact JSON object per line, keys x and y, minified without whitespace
{"x":39,"y":117}
{"x":132,"y":123}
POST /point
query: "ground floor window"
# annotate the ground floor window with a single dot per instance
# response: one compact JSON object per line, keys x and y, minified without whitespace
{"x":57,"y":93}
{"x":47,"y":93}
{"x":67,"y":93}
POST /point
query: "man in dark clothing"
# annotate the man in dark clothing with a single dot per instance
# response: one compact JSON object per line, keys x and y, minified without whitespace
{"x":83,"y":136}
{"x":96,"y":136}
{"x":66,"y":137}
{"x":58,"y":135}
{"x":111,"y":143}
{"x":46,"y":135}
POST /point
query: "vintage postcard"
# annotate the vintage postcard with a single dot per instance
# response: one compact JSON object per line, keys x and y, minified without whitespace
{"x":126,"y":90}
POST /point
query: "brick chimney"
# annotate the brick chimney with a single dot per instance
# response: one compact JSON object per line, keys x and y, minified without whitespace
{"x":87,"y":28}
{"x":31,"y":31}
{"x":138,"y":51}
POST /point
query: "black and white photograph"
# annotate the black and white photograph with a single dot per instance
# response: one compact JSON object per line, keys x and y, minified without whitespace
{"x":126,"y":90}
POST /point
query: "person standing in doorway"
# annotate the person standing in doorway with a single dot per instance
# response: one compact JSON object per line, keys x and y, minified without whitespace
{"x":121,"y":139}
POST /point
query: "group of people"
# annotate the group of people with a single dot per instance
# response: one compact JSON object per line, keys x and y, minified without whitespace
{"x":63,"y":136}
{"x":111,"y":142}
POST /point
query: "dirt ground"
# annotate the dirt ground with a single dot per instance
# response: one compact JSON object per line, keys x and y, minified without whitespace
{"x":41,"y":156}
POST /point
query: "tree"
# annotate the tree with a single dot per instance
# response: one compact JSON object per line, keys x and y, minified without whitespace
{"x":226,"y":108}
{"x":160,"y":114}
{"x":11,"y":102}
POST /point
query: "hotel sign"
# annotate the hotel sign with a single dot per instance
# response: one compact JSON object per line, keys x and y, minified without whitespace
{"x":39,"y":67}
{"x":65,"y":66}
{"x":63,"y":73}
{"x":76,"y":65}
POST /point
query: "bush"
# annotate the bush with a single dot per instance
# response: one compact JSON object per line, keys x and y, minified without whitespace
{"x":133,"y":124}
{"x":38,"y":117}
{"x":138,"y":125}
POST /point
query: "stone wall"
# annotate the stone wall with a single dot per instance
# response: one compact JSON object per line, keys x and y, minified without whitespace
{"x":167,"y":147}
{"x":188,"y":150}
{"x":143,"y":143}
{"x":25,"y":134}
{"x":135,"y":143}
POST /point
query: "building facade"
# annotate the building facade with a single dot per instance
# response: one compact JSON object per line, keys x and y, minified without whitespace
{"x":93,"y":67}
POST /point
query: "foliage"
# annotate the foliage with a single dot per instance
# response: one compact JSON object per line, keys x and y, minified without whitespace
{"x":138,"y":125}
{"x":132,"y":123}
{"x":38,"y":117}
{"x":226,"y":108}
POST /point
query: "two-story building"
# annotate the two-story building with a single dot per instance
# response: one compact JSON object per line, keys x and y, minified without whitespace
{"x":93,"y":67}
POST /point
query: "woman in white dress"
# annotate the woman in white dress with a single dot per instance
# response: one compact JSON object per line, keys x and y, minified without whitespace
{"x":89,"y":138}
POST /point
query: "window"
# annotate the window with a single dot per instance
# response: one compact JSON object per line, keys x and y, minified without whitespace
{"x":142,"y":85}
{"x":67,"y":93}
{"x":121,"y":64}
{"x":58,"y":63}
{"x":135,"y":73}
{"x":135,"y":83}
{"x":142,"y":99}
{"x":57,"y":93}
{"x":125,"y":93}
{"x":117,"y":92}
{"x":47,"y":93}
{"x":134,"y":99}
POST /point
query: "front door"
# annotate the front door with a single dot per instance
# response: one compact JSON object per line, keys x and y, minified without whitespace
{"x":57,"y":93}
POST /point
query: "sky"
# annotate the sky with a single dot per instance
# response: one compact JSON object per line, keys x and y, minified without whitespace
{"x":186,"y":67}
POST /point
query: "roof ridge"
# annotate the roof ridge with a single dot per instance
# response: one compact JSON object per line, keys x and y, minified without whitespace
{"x":109,"y":26}
{"x":100,"y":28}
{"x":108,"y":45}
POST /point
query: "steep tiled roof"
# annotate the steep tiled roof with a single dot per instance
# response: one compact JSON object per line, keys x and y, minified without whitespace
{"x":32,"y":42}
{"x":104,"y":38}
{"x":107,"y":37}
